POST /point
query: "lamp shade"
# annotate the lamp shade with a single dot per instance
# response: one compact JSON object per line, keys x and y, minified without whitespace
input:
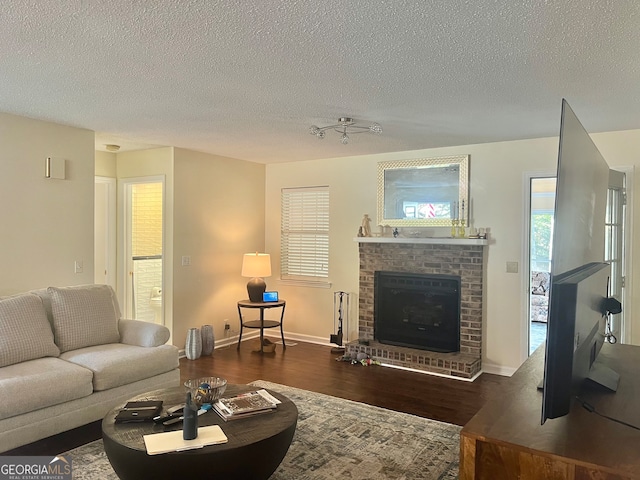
{"x":256,"y":265}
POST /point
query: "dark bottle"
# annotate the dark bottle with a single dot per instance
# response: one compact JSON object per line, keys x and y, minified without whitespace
{"x":190,"y":422}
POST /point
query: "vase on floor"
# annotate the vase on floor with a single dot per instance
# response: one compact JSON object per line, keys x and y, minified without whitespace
{"x":193,"y":345}
{"x":208,"y":341}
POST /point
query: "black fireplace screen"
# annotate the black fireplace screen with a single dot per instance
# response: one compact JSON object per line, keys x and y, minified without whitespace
{"x":417,"y":310}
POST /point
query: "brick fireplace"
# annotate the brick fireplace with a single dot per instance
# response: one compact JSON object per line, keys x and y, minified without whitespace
{"x":455,"y":257}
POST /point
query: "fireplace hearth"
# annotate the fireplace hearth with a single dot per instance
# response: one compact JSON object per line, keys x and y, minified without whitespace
{"x":417,"y":310}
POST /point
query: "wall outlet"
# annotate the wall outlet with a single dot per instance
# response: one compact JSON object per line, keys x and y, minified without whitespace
{"x":227,"y":328}
{"x":186,"y":260}
{"x":512,"y":267}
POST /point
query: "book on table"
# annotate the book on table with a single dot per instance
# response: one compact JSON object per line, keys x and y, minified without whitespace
{"x":246,"y":405}
{"x":140,"y":411}
{"x":165,"y":442}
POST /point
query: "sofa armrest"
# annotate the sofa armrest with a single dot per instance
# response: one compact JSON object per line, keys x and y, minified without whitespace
{"x":142,"y":334}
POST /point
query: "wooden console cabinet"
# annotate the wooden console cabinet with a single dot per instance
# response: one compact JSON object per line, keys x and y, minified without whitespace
{"x":506,"y":441}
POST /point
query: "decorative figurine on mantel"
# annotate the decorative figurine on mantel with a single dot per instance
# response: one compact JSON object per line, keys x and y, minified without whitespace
{"x":366,"y":225}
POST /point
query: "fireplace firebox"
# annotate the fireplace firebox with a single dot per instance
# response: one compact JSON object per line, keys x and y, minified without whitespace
{"x":417,"y":310}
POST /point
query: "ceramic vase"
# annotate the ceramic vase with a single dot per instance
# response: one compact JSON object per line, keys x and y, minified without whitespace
{"x":193,"y":345}
{"x":208,"y":341}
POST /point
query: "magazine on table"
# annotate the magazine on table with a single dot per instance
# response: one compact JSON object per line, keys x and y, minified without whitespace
{"x":246,"y":404}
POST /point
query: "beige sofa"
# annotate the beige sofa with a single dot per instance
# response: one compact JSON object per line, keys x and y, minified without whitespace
{"x":66,"y":358}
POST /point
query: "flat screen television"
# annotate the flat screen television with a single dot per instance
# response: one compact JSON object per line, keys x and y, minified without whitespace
{"x":580,"y":278}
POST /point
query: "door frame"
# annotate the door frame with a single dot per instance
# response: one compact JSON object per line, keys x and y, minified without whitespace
{"x":627,"y":297}
{"x":109,"y":225}
{"x":626,"y":329}
{"x":124,"y":240}
{"x":525,"y":279}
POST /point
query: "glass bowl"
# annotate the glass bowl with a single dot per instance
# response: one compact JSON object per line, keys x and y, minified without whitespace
{"x":205,"y":389}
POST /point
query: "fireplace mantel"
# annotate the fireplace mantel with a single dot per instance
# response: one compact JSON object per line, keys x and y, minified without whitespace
{"x":424,"y":240}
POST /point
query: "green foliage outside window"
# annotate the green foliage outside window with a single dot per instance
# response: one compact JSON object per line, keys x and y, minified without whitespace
{"x":541,"y":230}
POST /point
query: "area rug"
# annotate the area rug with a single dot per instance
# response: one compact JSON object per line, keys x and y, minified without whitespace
{"x":338,"y":438}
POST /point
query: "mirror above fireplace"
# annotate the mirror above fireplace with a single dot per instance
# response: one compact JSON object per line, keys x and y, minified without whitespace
{"x":426,"y":192}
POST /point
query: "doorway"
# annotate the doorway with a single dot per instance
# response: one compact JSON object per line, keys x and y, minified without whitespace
{"x":541,"y":216}
{"x":542,"y":205}
{"x":143,"y":260}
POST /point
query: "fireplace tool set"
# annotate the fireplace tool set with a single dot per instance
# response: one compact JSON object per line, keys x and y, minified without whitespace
{"x":340,"y":320}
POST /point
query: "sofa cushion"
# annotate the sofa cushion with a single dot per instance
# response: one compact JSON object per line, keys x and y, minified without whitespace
{"x":25,"y":333}
{"x":84,"y":316}
{"x":118,"y":364}
{"x":40,"y":383}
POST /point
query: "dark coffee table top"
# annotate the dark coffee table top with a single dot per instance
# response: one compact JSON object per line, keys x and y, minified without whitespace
{"x":259,"y":441}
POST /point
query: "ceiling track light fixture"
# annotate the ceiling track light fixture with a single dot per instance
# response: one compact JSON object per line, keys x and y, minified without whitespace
{"x":346,"y":126}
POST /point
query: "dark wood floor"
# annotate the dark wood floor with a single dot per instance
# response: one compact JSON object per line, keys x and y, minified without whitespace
{"x":314,"y":367}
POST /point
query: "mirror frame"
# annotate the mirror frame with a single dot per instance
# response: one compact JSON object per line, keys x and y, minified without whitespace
{"x":426,"y":164}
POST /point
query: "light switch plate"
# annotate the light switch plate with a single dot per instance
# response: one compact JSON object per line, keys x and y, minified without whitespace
{"x":512,"y":267}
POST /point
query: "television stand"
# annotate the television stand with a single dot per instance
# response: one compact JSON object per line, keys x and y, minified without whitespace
{"x":603,"y":376}
{"x":506,"y":440}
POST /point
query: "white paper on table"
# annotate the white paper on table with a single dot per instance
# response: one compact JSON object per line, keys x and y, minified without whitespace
{"x":166,"y":442}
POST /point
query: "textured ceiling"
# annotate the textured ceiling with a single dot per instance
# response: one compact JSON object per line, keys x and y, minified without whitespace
{"x":246,"y":78}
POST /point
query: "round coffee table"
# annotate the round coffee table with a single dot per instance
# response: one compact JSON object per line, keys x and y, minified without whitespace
{"x":256,"y":445}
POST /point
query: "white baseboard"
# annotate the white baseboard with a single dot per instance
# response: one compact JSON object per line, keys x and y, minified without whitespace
{"x":307,"y":338}
{"x":498,"y":369}
{"x":491,"y":368}
{"x":233,"y":340}
{"x":226,"y":342}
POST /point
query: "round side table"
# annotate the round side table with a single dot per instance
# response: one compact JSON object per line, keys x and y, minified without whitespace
{"x":261,"y":323}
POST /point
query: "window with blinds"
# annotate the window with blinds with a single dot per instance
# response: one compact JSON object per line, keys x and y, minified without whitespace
{"x":305,"y":234}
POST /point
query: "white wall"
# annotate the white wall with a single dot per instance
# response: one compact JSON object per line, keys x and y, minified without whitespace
{"x":219,"y":216}
{"x":497,"y":176}
{"x":47,"y":224}
{"x":106,"y":164}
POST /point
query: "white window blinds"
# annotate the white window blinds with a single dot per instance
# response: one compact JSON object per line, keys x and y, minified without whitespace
{"x":305,"y":233}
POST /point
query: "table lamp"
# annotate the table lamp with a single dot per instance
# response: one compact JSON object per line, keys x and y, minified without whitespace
{"x":256,"y":265}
